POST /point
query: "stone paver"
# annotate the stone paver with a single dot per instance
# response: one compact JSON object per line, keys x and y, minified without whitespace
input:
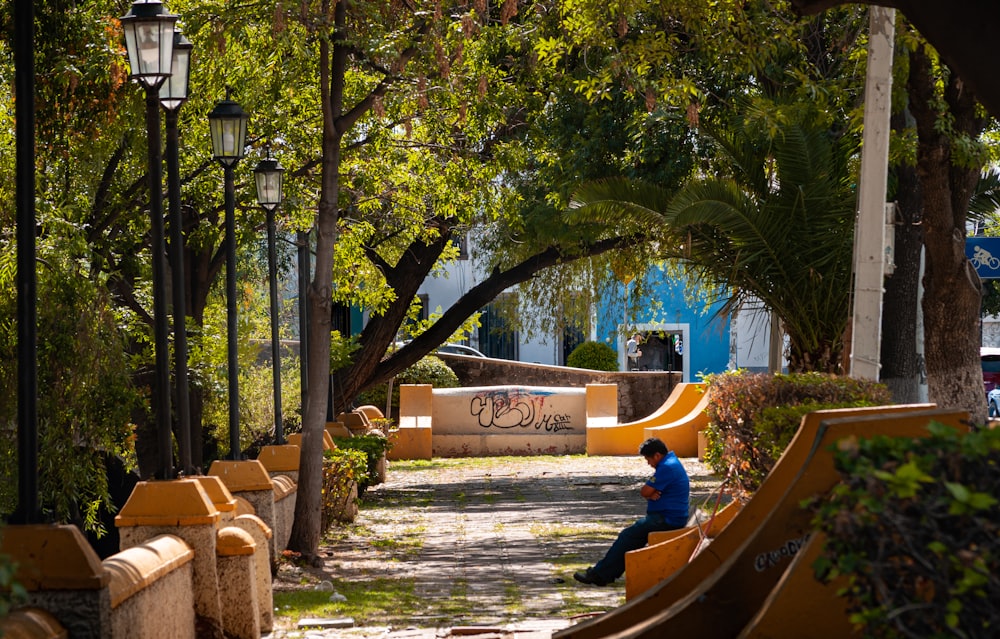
{"x":487,"y":532}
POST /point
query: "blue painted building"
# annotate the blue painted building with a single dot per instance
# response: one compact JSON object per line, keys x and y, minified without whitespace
{"x":680,"y":331}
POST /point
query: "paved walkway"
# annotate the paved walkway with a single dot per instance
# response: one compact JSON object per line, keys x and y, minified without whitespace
{"x":489,"y":544}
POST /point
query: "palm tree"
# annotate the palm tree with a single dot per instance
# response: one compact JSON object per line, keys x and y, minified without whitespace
{"x":778,"y":227}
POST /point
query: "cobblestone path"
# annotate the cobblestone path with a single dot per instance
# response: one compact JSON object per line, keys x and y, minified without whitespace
{"x":485,"y":542}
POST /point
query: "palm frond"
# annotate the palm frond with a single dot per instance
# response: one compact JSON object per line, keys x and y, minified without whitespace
{"x":628,"y":202}
{"x":986,"y":197}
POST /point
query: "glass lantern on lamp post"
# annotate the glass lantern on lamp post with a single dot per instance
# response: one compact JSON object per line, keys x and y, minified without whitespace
{"x":149,"y":40}
{"x":268,"y":175}
{"x":228,"y":125}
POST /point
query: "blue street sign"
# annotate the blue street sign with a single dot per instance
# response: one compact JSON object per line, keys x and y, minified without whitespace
{"x":984,"y":253}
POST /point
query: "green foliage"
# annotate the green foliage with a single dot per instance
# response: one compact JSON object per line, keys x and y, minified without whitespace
{"x":341,"y":349}
{"x":257,"y":403}
{"x":752,"y":417}
{"x":256,"y":410}
{"x":429,"y":370}
{"x":913,"y":530}
{"x":374,"y":446}
{"x":12,"y":593}
{"x":343,"y":468}
{"x":596,"y":356}
{"x":87,"y":398}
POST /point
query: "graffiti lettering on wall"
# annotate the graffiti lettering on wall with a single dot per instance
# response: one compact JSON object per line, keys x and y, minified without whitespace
{"x":513,"y":409}
{"x":787,"y":550}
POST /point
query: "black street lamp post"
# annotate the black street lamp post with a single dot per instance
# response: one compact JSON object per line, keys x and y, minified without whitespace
{"x":28,"y":511}
{"x":268,"y":174}
{"x":173,"y":94}
{"x":149,"y":39}
{"x":228,"y":125}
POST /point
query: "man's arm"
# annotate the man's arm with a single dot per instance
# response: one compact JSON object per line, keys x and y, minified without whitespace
{"x":649,"y":492}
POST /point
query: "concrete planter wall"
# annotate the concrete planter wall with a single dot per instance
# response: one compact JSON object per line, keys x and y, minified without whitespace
{"x":504,"y":420}
{"x":639,"y":393}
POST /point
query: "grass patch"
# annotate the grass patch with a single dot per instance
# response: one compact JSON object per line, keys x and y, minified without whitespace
{"x":591,"y":532}
{"x":397,"y":498}
{"x":406,"y":545}
{"x":376,"y":602}
{"x":343,"y":532}
{"x":512,"y":598}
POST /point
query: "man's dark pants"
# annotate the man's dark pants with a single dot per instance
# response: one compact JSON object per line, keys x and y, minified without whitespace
{"x":632,"y":538}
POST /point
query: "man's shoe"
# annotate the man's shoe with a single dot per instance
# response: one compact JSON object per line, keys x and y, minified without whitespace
{"x":588,"y":577}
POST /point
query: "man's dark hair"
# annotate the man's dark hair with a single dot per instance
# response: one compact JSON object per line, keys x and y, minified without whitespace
{"x":652,"y":446}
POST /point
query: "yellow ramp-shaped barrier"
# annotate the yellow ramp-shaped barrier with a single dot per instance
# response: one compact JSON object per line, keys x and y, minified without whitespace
{"x":725,"y":572}
{"x":681,"y":436}
{"x":609,"y":438}
{"x":799,"y":601}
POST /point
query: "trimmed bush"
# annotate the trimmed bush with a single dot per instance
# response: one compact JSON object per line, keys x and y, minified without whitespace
{"x":429,"y":370}
{"x":595,"y":356}
{"x":914,"y":532}
{"x":752,"y":417}
{"x":374,"y":447}
{"x":343,"y":470}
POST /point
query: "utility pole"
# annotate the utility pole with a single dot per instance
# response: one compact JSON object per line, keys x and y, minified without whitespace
{"x":869,"y":232}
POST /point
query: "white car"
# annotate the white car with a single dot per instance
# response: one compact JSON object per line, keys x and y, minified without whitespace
{"x":458,"y":349}
{"x":993,"y":400}
{"x":452,"y":349}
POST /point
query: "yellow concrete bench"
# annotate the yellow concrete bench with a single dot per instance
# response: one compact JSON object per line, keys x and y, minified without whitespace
{"x":412,"y":440}
{"x":607,"y":437}
{"x":668,"y":551}
{"x":337,"y":429}
{"x":370,"y":412}
{"x":281,"y":460}
{"x":295,"y":439}
{"x":355,"y":421}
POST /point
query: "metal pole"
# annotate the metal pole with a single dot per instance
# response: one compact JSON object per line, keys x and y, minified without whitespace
{"x":869,"y":235}
{"x":184,"y":434}
{"x":272,"y":279}
{"x":27,"y":293}
{"x":233,"y":360}
{"x":161,"y":384}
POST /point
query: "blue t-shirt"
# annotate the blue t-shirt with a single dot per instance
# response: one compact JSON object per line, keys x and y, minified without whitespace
{"x":672,"y":481}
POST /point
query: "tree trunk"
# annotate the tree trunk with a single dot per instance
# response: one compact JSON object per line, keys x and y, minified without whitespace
{"x":900,"y":366}
{"x":952,"y":292}
{"x":306,"y":533}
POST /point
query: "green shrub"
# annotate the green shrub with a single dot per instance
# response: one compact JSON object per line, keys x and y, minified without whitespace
{"x":257,"y":405}
{"x":914,"y":531}
{"x":342,"y":469}
{"x":752,"y":417}
{"x":595,"y":356}
{"x":12,"y":593}
{"x":374,"y":447}
{"x":429,"y":370}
